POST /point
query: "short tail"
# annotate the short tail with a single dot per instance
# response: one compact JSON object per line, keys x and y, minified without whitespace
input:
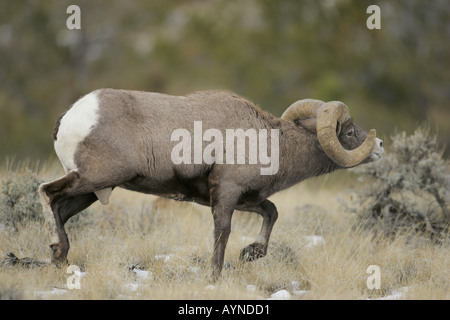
{"x":56,"y":128}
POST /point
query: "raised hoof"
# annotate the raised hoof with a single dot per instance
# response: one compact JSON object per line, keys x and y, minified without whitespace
{"x":253,"y":251}
{"x":59,"y":254}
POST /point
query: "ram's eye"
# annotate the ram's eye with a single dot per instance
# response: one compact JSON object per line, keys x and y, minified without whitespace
{"x":350,"y":132}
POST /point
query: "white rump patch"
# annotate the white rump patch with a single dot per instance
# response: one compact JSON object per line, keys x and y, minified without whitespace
{"x":76,"y":124}
{"x":103,"y":195}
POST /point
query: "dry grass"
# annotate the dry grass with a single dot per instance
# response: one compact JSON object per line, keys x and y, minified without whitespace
{"x":173,"y":241}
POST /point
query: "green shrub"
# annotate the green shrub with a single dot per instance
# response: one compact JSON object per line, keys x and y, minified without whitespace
{"x":20,"y":202}
{"x":408,"y":190}
{"x":19,"y":199}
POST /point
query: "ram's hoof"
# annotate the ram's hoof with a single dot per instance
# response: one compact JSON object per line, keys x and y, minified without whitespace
{"x":253,"y":251}
{"x":59,"y":253}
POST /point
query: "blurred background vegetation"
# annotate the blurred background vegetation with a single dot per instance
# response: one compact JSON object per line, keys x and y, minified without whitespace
{"x":272,"y":52}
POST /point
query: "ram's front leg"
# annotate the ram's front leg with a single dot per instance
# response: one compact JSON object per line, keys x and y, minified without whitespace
{"x":258,"y":249}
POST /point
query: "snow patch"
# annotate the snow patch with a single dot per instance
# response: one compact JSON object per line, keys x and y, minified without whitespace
{"x":398,"y":294}
{"x":280,"y":295}
{"x":312,"y":241}
{"x":210,"y":287}
{"x":131,"y":286}
{"x":49,"y":294}
{"x":143,"y":275}
{"x":250,"y":288}
{"x":164,"y":257}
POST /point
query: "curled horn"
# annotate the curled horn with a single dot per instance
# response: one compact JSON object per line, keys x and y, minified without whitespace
{"x":328,"y":117}
{"x":302,"y":109}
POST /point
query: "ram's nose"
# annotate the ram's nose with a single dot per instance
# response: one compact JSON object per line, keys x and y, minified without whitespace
{"x":378,"y":149}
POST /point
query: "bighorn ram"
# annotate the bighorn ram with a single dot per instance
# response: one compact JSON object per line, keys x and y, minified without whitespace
{"x":118,"y":138}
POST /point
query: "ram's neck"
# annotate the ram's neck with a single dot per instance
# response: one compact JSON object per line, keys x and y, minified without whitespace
{"x":301,"y":156}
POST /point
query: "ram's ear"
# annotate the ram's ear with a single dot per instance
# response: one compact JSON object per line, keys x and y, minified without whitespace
{"x":308,"y":123}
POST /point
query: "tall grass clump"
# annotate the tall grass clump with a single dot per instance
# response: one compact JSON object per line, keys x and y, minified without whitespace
{"x":20,"y":201}
{"x":406,"y":191}
{"x":19,"y":198}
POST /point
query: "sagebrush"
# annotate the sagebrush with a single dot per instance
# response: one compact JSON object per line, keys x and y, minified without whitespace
{"x":19,"y":198}
{"x":408,"y":190}
{"x":20,"y":202}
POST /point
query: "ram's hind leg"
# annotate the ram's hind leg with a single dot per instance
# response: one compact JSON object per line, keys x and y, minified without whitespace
{"x":61,"y":199}
{"x":223,"y":201}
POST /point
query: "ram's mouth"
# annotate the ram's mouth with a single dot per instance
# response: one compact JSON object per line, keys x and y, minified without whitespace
{"x":376,"y":156}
